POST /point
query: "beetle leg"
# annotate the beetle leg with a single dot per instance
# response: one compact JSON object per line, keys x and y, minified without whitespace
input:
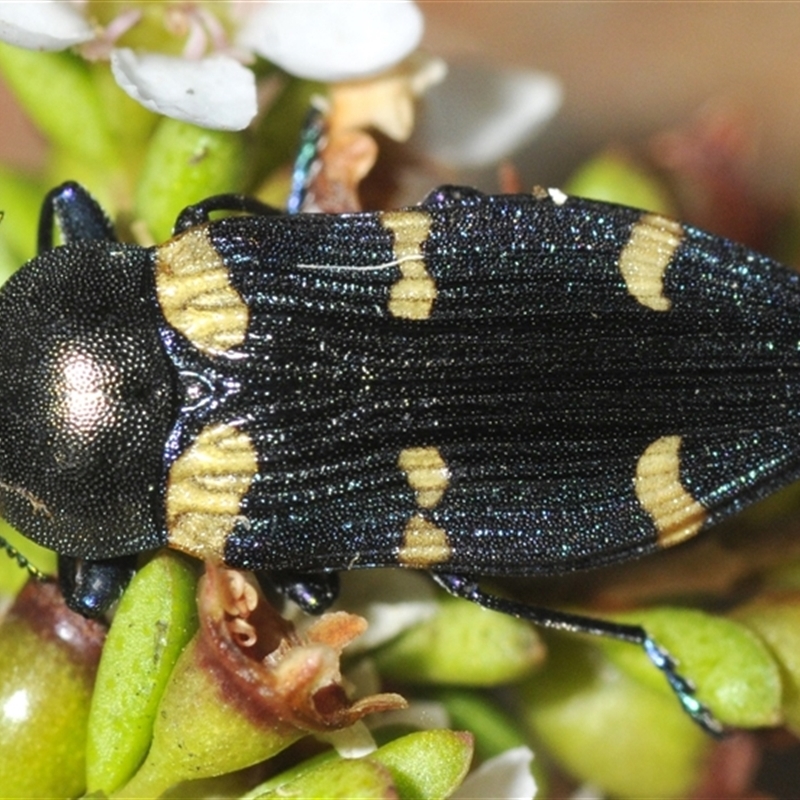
{"x":199,"y":214}
{"x":78,"y":215}
{"x":90,"y":587}
{"x":467,"y":588}
{"x":451,"y":195}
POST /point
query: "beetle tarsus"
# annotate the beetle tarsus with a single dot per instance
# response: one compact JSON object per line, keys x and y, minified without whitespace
{"x":200,"y":213}
{"x":683,"y":688}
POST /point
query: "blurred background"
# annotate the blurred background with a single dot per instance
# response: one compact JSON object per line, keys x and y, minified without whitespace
{"x":632,"y":69}
{"x":628,"y":70}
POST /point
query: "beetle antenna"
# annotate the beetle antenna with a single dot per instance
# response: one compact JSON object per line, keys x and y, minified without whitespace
{"x":12,"y":552}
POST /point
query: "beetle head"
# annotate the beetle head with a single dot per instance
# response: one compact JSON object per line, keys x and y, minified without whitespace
{"x":87,"y":399}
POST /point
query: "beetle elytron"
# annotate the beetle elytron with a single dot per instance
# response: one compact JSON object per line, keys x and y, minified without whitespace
{"x":478,"y":385}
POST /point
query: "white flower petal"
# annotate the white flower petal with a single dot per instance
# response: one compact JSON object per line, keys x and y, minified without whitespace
{"x":503,"y":777}
{"x":333,"y":41}
{"x":215,"y":92}
{"x":354,"y":741}
{"x":587,"y":792}
{"x":477,"y":116}
{"x":421,"y":715}
{"x":391,"y":600}
{"x":43,"y":25}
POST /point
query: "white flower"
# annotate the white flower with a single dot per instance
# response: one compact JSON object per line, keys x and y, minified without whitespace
{"x":213,"y":92}
{"x":46,"y":25}
{"x":334,"y":41}
{"x":504,"y":777}
{"x":209,"y":85}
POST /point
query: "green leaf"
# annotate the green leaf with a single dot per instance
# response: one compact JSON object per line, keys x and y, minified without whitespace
{"x":776,"y":619}
{"x":428,"y":764}
{"x":12,"y":575}
{"x":48,"y":658}
{"x":58,"y":92}
{"x":156,"y":618}
{"x":462,"y":644}
{"x":615,"y":178}
{"x":495,"y":731}
{"x":20,"y":203}
{"x":339,"y":779}
{"x":734,"y":672}
{"x":185,"y":164}
{"x":425,"y":765}
{"x":277,"y":133}
{"x":197,"y":734}
{"x":607,"y":729}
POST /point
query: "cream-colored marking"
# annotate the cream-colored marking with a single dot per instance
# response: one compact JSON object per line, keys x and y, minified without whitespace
{"x":557,"y":196}
{"x":195,"y":293}
{"x":676,"y":514}
{"x":423,"y":544}
{"x":426,"y":472}
{"x":645,"y":258}
{"x":38,"y":506}
{"x":205,"y":487}
{"x":413,"y":295}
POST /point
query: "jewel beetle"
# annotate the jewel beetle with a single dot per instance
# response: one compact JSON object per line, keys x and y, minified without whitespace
{"x":474,"y":386}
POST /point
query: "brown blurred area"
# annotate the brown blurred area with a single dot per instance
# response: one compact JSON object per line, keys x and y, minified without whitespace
{"x":20,"y":143}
